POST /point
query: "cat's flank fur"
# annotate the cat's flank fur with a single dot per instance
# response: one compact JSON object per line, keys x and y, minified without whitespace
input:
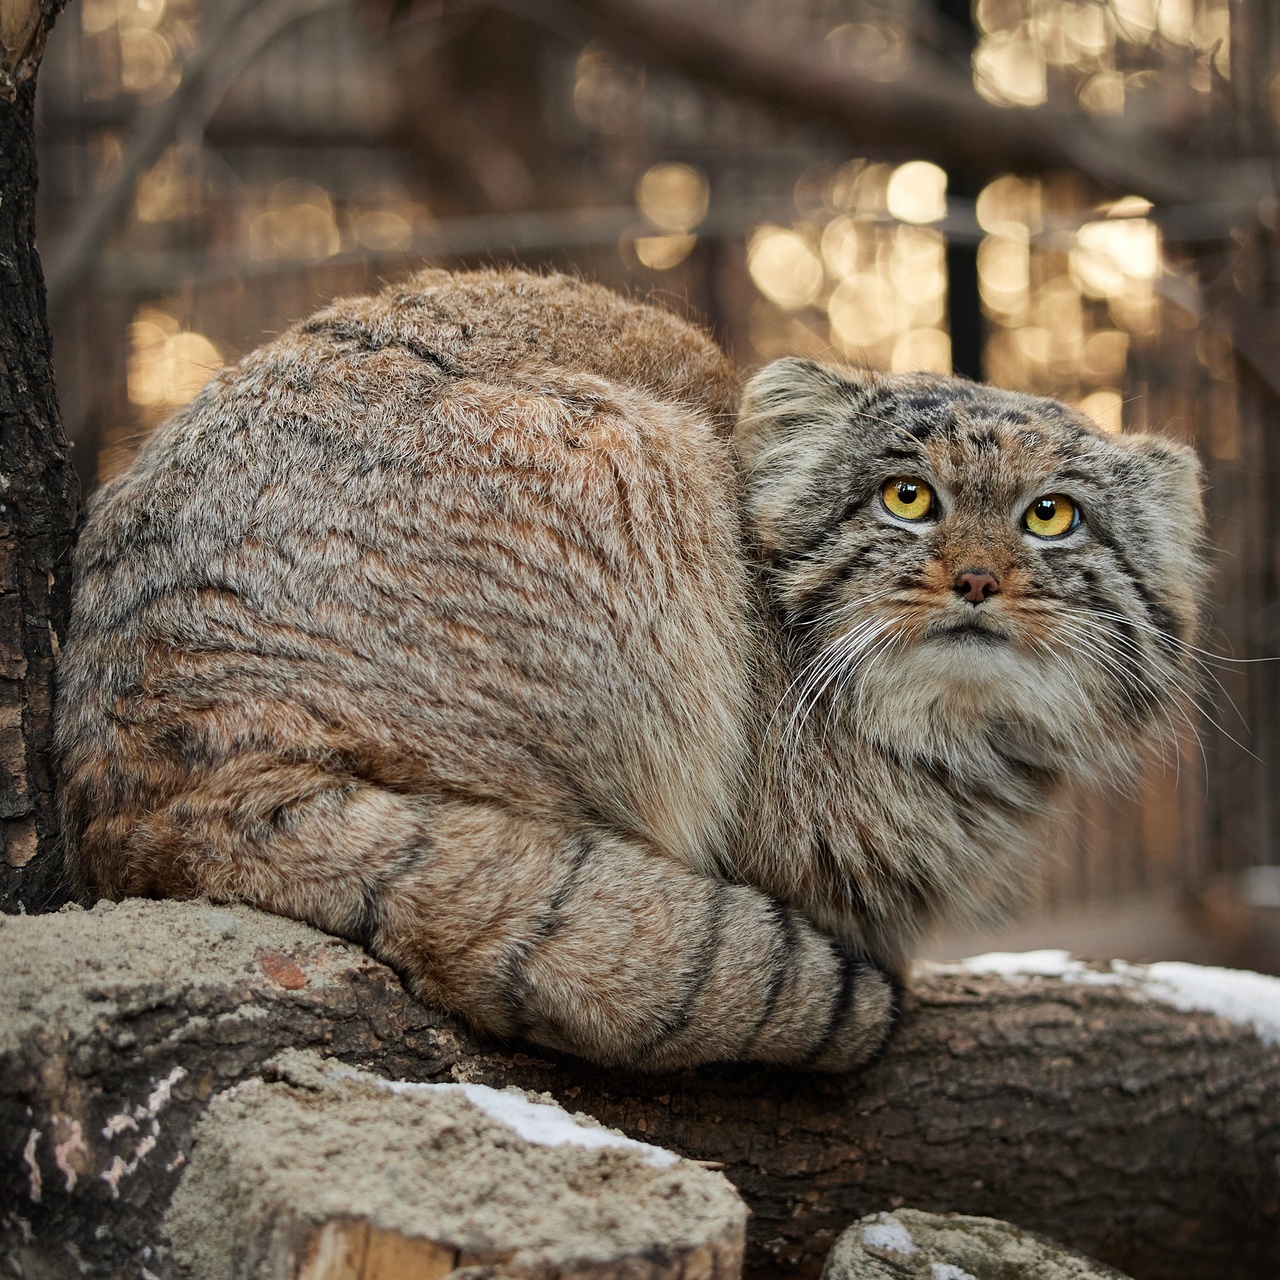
{"x":463,"y":622}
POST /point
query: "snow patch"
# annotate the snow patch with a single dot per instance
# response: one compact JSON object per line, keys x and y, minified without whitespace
{"x":890,"y":1235}
{"x":1018,"y":964}
{"x":548,"y":1125}
{"x":1251,"y":999}
{"x":545,"y":1124}
{"x":1248,"y":999}
{"x":946,"y":1271}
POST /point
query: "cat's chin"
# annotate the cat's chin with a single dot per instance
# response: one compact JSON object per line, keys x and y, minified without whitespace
{"x":966,"y":633}
{"x":962,"y":692}
{"x":954,"y":665}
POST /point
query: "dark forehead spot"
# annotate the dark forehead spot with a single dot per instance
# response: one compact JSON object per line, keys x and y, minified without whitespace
{"x":925,"y":412}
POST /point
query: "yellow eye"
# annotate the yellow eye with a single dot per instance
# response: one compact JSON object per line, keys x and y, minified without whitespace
{"x":1051,"y":516}
{"x":907,"y":498}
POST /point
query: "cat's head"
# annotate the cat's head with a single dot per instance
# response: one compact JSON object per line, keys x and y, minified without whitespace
{"x":973,"y":574}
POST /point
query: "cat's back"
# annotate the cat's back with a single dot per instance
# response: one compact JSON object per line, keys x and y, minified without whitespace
{"x":473,"y":537}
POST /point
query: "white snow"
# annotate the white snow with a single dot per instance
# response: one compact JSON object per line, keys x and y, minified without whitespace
{"x":946,"y":1271}
{"x":548,"y":1125}
{"x":889,"y":1234}
{"x":1250,"y":999}
{"x":1011,"y":964}
{"x":545,"y":1124}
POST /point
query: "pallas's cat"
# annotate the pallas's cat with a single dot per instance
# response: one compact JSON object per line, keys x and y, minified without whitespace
{"x":464,"y":621}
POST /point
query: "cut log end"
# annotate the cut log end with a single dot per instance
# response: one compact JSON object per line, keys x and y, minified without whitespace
{"x":328,"y":1173}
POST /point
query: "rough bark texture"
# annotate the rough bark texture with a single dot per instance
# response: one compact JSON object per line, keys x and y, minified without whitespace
{"x":39,"y":496}
{"x":1144,"y":1137}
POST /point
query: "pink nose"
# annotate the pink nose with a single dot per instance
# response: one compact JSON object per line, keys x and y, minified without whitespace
{"x":976,"y":585}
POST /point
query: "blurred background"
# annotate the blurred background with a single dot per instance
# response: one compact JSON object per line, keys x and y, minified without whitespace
{"x":1071,"y":197}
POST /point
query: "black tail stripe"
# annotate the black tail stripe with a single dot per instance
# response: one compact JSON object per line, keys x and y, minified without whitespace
{"x":369,"y":922}
{"x":511,"y":969}
{"x":703,"y":967}
{"x":783,"y":962}
{"x":850,"y":963}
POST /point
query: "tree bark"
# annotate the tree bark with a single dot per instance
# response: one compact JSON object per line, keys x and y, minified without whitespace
{"x":39,"y":496}
{"x":1143,"y":1136}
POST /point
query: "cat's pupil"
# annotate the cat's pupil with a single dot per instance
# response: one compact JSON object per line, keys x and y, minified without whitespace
{"x":907,"y":493}
{"x":1045,"y":509}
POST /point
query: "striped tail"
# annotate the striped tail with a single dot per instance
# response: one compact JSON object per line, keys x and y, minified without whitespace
{"x":579,"y":940}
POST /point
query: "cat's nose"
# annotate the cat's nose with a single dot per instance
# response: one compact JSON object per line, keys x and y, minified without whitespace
{"x":975,"y":585}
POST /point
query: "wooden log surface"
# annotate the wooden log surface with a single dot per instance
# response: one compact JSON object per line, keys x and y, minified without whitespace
{"x":325,"y":1172}
{"x":1142,"y":1135}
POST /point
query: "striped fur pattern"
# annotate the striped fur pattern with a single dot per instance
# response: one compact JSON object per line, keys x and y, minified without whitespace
{"x":430,"y":624}
{"x":921,"y":744}
{"x":462,"y":622}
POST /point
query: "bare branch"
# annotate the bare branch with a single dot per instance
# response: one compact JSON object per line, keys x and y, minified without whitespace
{"x":932,"y":112}
{"x":205,"y":78}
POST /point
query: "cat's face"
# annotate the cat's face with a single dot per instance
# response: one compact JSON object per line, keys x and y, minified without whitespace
{"x":968,"y":570}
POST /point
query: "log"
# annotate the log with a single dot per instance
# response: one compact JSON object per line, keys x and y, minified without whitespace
{"x":327,"y":1173}
{"x":910,"y":1245}
{"x":1079,"y":1106}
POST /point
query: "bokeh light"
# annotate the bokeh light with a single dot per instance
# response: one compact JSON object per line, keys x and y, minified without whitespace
{"x":661,"y":253}
{"x":917,"y":192}
{"x":299,"y":222}
{"x":1009,"y":69}
{"x":1105,"y":407}
{"x":784,"y":267}
{"x":167,"y":364}
{"x":674,"y":197}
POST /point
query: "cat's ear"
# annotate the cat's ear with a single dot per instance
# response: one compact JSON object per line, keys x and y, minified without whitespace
{"x":1169,"y":534}
{"x":787,"y":398}
{"x":787,"y":450}
{"x":1175,"y":476}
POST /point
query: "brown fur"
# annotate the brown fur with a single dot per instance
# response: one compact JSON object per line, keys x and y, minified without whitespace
{"x":437,"y":624}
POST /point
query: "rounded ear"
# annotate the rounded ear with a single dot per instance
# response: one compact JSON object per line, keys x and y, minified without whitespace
{"x":784,"y":399}
{"x":1175,"y":548}
{"x":1176,"y":475}
{"x":785,"y":444}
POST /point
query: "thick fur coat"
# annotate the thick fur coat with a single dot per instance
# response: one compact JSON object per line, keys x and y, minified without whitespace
{"x":463,"y":621}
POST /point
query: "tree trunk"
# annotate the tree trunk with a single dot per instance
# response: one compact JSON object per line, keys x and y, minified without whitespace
{"x":1143,"y":1136}
{"x":39,"y":496}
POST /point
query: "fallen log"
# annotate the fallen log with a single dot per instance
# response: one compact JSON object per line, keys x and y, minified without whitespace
{"x":1074,"y":1102}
